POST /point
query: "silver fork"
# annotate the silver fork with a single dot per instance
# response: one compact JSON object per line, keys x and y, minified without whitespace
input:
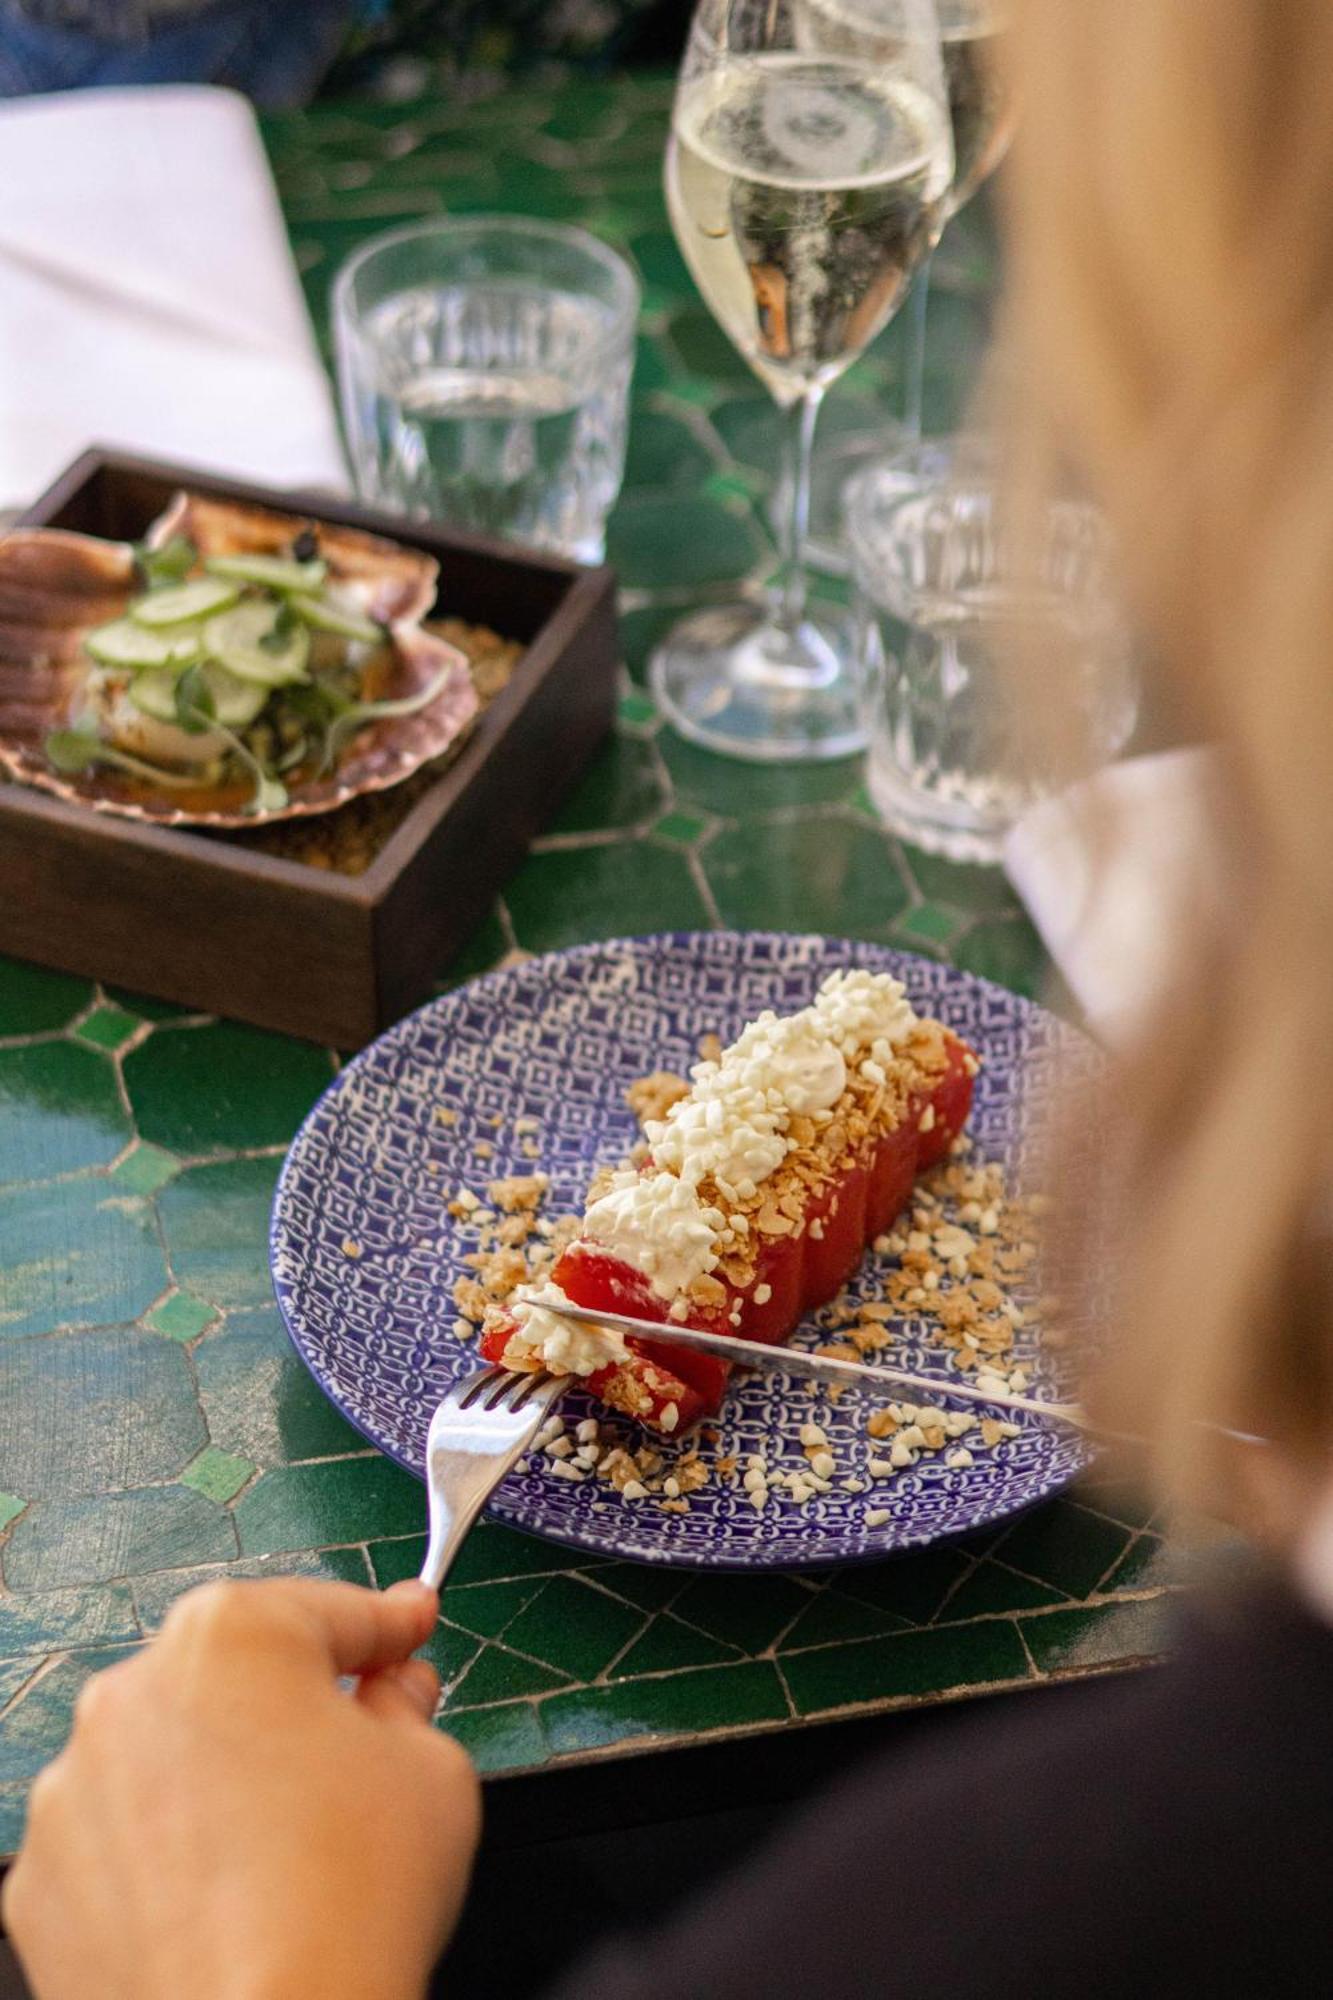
{"x":484,"y":1424}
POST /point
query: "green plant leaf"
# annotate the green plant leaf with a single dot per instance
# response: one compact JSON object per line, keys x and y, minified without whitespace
{"x":358,"y":713}
{"x":73,"y":750}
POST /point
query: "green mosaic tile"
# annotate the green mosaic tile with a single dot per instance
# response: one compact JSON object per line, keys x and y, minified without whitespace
{"x":60,"y":1110}
{"x":703,"y":1699}
{"x":650,"y":367}
{"x":1007,"y":950}
{"x":72,"y":1254}
{"x":490,"y":1552}
{"x":736,"y":485}
{"x":487,"y":945}
{"x":1122,"y":1497}
{"x":667,"y":1646}
{"x":672,"y":541}
{"x":505,"y":1738}
{"x":664,"y":452}
{"x":341,"y":1500}
{"x":567,"y":898}
{"x":1149,"y":1563}
{"x":33,"y":1000}
{"x":13,"y":1674}
{"x":806,"y":875}
{"x":680,"y":827}
{"x":992,"y":1589}
{"x":486,"y":1608}
{"x":216,"y":1223}
{"x":391,"y":1561}
{"x":96,"y":1412}
{"x":181,"y":1317}
{"x":11,"y":1506}
{"x":217,"y":1475}
{"x":704,"y":349}
{"x":54,"y":1621}
{"x":700,"y":391}
{"x":145,"y":1169}
{"x":214,"y":1089}
{"x":658,"y":257}
{"x":65,"y":1542}
{"x":640,"y":632}
{"x":450,"y":1652}
{"x":260,"y":1400}
{"x":573,"y":1627}
{"x":960,"y":885}
{"x":499,"y":1675}
{"x":831,"y":1619}
{"x":13,"y":1815}
{"x":639,"y":1583}
{"x":1099,"y":1635}
{"x":1064,"y":1544}
{"x":637,"y":710}
{"x":36,"y":1726}
{"x":905,"y":1666}
{"x":155,"y":1594}
{"x":914,"y":1586}
{"x":725,"y":785}
{"x":928,"y":924}
{"x":621,"y":788}
{"x":107,"y":1028}
{"x":746,"y":1611}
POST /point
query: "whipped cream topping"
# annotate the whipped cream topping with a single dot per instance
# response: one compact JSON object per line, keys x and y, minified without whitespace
{"x":733,"y":1127}
{"x":565,"y":1345}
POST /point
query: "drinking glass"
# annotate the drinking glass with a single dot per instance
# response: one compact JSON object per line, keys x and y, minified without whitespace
{"x":948,"y":589}
{"x":483,"y":369}
{"x":805,"y":185}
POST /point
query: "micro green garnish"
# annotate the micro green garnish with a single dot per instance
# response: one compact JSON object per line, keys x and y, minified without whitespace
{"x":279,"y":635}
{"x":196,"y":710}
{"x":75,"y":750}
{"x":268,"y":795}
{"x":355,"y":714}
{"x":170,"y":564}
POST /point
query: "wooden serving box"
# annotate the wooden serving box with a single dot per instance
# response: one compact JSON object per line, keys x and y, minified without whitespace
{"x":212,"y":923}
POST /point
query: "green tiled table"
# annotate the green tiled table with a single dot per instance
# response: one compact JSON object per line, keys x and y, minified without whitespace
{"x":154,"y":1427}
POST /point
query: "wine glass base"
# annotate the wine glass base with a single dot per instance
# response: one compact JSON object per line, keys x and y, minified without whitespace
{"x":733,"y":680}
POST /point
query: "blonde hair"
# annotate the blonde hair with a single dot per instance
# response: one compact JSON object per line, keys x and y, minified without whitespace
{"x":1170,"y":203}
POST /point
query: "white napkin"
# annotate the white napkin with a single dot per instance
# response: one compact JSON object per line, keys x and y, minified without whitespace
{"x":148,"y":298}
{"x":1110,"y":872}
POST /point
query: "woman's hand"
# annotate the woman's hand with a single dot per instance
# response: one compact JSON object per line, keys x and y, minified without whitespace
{"x":226,"y":1822}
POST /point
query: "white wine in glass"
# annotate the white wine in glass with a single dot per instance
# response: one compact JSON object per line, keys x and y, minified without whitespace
{"x":804,"y":187}
{"x":982,"y":115}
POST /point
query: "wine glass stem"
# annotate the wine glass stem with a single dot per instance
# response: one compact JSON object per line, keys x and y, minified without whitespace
{"x":914,"y":395}
{"x":801,"y":419}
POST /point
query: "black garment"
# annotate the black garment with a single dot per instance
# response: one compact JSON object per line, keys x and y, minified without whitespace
{"x":1168,"y":1834}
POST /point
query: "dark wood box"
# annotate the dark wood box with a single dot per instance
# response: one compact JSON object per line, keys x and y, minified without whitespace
{"x":216,"y":925}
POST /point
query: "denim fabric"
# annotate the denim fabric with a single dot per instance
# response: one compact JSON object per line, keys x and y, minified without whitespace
{"x":276,"y":53}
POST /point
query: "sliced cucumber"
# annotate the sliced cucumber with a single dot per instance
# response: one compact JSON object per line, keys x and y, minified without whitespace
{"x":125,"y":643}
{"x":185,"y":602}
{"x":269,"y":572}
{"x":321,"y":615}
{"x":236,"y":703}
{"x":236,"y":641}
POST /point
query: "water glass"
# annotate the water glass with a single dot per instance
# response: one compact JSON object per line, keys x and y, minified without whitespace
{"x":483,"y":367}
{"x":995,"y":664}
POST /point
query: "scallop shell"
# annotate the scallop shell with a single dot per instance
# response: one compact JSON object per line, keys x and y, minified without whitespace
{"x":56,"y":586}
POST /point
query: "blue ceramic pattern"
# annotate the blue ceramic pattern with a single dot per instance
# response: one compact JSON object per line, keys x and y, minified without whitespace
{"x":558,"y":1039}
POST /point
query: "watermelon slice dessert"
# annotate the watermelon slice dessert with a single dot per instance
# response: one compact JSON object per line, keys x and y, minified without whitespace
{"x":760,"y":1191}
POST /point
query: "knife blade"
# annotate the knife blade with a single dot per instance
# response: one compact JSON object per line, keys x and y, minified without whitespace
{"x":799,"y":1361}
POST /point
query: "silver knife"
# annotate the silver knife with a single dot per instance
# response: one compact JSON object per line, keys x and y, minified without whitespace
{"x":799,"y":1361}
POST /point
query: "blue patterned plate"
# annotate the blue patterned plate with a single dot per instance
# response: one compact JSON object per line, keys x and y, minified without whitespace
{"x":365,"y":1254}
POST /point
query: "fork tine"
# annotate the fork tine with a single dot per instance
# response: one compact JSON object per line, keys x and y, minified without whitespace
{"x":481,"y":1385}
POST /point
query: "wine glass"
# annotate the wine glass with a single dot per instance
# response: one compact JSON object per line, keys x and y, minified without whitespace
{"x":805,"y":185}
{"x":982,"y":115}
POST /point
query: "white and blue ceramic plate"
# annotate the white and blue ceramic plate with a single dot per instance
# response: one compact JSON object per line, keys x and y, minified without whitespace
{"x":557,"y":1040}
